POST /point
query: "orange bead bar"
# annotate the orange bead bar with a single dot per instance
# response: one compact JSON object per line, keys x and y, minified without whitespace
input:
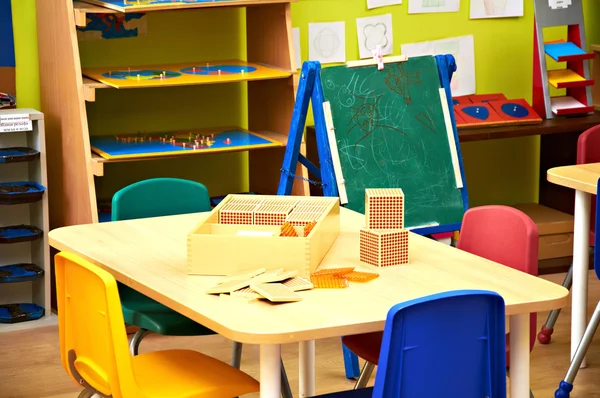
{"x":288,"y":230}
{"x":356,"y":276}
{"x":333,"y":271}
{"x":328,"y":281}
{"x":308,"y":227}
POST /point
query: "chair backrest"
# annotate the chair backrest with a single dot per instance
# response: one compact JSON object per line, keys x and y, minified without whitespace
{"x":504,"y":235}
{"x":93,"y":340}
{"x":450,"y":344}
{"x":588,"y":151}
{"x":159,"y":197}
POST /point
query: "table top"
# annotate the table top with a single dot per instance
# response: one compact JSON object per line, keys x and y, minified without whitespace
{"x":149,"y":255}
{"x":582,"y":177}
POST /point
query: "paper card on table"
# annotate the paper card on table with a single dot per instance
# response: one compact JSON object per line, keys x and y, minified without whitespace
{"x":381,"y":3}
{"x":373,"y":31}
{"x":463,"y":50}
{"x":297,"y":53}
{"x":327,"y":42}
{"x":430,"y":6}
{"x":496,"y":8}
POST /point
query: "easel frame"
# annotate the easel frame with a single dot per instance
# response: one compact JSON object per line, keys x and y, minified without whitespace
{"x":310,"y":89}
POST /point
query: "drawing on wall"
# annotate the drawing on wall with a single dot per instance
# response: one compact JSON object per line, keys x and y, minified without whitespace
{"x":399,"y":82}
{"x":429,"y":6}
{"x":327,"y":42}
{"x":496,"y":8}
{"x":373,"y":31}
{"x":463,"y":50}
{"x":113,"y":26}
{"x":297,"y":53}
{"x":559,"y":4}
{"x":381,"y":3}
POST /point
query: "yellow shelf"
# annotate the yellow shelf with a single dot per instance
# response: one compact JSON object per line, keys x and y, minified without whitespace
{"x":565,"y":78}
{"x":112,"y":6}
{"x":98,"y":162}
{"x":142,"y":77}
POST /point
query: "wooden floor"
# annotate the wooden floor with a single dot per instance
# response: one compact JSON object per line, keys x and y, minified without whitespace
{"x":30,"y":361}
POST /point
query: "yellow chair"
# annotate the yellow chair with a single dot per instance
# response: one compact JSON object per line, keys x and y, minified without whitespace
{"x":94,"y":350}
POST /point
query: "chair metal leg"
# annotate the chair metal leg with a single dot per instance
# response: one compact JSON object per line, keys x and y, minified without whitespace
{"x":566,"y":386}
{"x":86,"y":394}
{"x":134,"y":344}
{"x":286,"y":390}
{"x":236,"y":355}
{"x":545,"y":335}
{"x":365,"y":375}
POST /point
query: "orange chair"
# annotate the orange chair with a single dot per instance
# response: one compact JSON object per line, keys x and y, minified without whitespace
{"x":94,"y":349}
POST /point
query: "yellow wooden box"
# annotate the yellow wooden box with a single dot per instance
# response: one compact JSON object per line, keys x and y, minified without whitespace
{"x":225,"y":249}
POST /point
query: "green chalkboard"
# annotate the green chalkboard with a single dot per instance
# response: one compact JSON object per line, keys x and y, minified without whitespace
{"x":391,"y":132}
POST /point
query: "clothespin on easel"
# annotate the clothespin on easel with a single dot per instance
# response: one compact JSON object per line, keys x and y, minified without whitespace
{"x":378,"y":57}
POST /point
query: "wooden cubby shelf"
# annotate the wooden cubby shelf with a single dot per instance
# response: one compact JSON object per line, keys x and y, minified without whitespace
{"x":260,"y":61}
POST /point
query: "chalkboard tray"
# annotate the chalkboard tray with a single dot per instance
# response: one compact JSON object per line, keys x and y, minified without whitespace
{"x":19,"y":233}
{"x":12,"y":193}
{"x":18,"y":154}
{"x":15,"y":273}
{"x":16,"y":313}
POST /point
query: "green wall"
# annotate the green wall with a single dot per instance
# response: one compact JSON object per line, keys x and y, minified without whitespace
{"x":500,"y":171}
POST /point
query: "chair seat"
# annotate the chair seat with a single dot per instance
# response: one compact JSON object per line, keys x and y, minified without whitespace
{"x":367,"y":346}
{"x":362,"y":393}
{"x":189,"y":374}
{"x":146,"y":313}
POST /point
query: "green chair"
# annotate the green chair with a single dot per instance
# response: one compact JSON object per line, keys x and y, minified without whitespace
{"x":155,"y":198}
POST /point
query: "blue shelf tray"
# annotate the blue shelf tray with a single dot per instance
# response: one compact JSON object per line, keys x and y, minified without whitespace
{"x":16,"y":313}
{"x":12,"y":193}
{"x":20,"y":273}
{"x":19,"y":233}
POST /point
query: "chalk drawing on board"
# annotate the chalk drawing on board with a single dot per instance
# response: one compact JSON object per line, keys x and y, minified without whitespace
{"x":559,"y":4}
{"x":368,"y":118}
{"x":327,"y":42}
{"x":374,"y":31}
{"x":426,"y":120}
{"x":399,"y":81}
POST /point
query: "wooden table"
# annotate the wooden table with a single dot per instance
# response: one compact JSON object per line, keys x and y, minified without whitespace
{"x":149,"y":255}
{"x":583,"y":179}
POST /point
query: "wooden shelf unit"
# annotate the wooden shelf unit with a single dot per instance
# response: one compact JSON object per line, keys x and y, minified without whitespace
{"x":38,"y":251}
{"x":64,"y":92}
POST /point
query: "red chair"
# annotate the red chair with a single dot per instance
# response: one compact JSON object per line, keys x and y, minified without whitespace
{"x":499,"y":233}
{"x":588,"y":151}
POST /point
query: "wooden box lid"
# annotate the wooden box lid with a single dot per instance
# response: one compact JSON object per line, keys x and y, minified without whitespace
{"x":548,"y":220}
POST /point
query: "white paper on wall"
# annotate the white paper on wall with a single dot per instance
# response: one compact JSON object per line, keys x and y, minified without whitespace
{"x":496,"y":8}
{"x":463,"y":50}
{"x":327,"y":42}
{"x":373,"y":31}
{"x":431,"y":6}
{"x":381,"y":3}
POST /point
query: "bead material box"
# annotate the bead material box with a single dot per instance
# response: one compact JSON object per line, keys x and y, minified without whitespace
{"x":384,"y":248}
{"x":216,"y":246}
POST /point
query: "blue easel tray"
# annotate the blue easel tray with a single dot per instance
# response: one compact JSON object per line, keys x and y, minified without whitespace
{"x":18,"y":154}
{"x":12,"y":193}
{"x":15,"y":313}
{"x":20,"y":273}
{"x":19,"y":233}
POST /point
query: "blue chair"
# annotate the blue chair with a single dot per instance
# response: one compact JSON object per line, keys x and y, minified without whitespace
{"x":468,"y":362}
{"x":566,"y":385}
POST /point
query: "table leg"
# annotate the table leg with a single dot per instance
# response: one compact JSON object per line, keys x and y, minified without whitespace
{"x":519,"y":356}
{"x":579,"y":292}
{"x":270,"y":371}
{"x":307,"y":368}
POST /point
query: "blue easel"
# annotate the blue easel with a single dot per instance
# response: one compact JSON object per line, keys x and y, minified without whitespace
{"x":310,"y":90}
